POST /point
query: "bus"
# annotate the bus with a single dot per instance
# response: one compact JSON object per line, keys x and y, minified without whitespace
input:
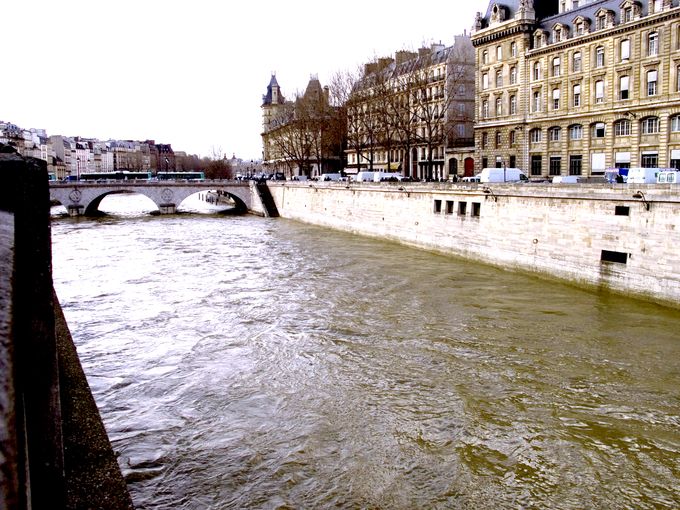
{"x":119,"y":175}
{"x":180,"y":176}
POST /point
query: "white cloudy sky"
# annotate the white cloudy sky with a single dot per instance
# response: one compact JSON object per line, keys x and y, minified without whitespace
{"x":192,"y":73}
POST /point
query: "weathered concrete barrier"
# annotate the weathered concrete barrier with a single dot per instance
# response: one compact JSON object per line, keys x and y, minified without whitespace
{"x":53,"y":446}
{"x":618,"y":237}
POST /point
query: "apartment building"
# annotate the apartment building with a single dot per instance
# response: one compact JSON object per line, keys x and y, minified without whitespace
{"x":573,"y":87}
{"x":413,"y":113}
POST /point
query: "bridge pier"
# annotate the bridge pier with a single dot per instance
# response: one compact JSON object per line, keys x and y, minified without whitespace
{"x":167,"y":208}
{"x":75,"y":210}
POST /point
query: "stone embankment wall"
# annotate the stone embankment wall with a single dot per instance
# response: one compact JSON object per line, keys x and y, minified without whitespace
{"x":54,"y":449}
{"x":597,"y":236}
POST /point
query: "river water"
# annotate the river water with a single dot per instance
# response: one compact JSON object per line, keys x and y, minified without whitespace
{"x":246,"y":362}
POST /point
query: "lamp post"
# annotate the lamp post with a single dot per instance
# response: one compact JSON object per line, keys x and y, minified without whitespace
{"x":78,"y":168}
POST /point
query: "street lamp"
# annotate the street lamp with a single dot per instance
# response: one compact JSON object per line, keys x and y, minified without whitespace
{"x":78,"y":168}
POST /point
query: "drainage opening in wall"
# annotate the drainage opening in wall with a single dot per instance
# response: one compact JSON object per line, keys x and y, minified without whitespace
{"x":622,"y":210}
{"x":614,"y":256}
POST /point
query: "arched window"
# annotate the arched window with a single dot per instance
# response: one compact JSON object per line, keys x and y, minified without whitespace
{"x":650,"y":125}
{"x":536,"y":71}
{"x":675,"y":124}
{"x":554,"y":134}
{"x":598,"y":130}
{"x":513,"y":105}
{"x":575,"y":132}
{"x":622,"y":127}
{"x":513,"y":75}
{"x":535,"y":135}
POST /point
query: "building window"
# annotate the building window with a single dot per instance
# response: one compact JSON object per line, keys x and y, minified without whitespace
{"x":485,"y":57}
{"x":485,"y":138}
{"x":598,"y":130}
{"x":624,"y":82}
{"x":600,"y":22}
{"x":599,"y":91}
{"x":536,"y":164}
{"x":498,"y":139}
{"x":511,"y":137}
{"x":513,"y":75}
{"x":513,"y":49}
{"x":449,"y":207}
{"x":485,"y":81}
{"x":627,"y":15}
{"x":577,"y":95}
{"x":556,"y":99}
{"x":625,"y":49}
{"x":499,"y":107}
{"x":476,"y":209}
{"x":555,"y":165}
{"x":556,"y":66}
{"x":579,"y":28}
{"x":554,"y":134}
{"x":574,"y":4}
{"x":557,"y":35}
{"x":499,"y":78}
{"x":677,"y":75}
{"x":650,"y":160}
{"x":499,"y":53}
{"x":537,"y":101}
{"x":513,"y":161}
{"x":535,"y":135}
{"x":485,"y":109}
{"x":651,"y":83}
{"x":462,"y":208}
{"x":513,"y":105}
{"x":575,"y":164}
{"x":537,"y":71}
{"x":650,"y":125}
{"x":576,"y":62}
{"x":575,"y":132}
{"x":675,"y":124}
{"x":599,"y":56}
{"x":622,"y":127}
{"x":653,"y":44}
{"x":437,"y":206}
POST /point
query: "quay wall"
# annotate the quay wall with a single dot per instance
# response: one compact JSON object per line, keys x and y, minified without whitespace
{"x":592,"y":235}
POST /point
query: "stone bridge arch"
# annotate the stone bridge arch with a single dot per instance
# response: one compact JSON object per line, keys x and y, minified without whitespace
{"x":84,"y":198}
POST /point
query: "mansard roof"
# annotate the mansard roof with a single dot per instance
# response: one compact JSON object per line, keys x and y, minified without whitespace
{"x":589,"y":12}
{"x":542,"y":8}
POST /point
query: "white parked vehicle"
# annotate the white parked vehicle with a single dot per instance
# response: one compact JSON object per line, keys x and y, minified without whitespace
{"x":565,"y":179}
{"x":502,"y":175}
{"x":668,"y":177}
{"x":470,"y":178}
{"x":365,"y":176}
{"x":330,"y":177}
{"x":642,"y":175}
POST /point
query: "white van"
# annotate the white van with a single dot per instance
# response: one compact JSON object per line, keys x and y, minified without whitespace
{"x":365,"y":176}
{"x":330,"y":177}
{"x":668,"y":177}
{"x":642,"y":175}
{"x":502,"y":175}
{"x":565,"y":179}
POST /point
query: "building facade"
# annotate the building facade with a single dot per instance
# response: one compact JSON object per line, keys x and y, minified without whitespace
{"x":413,"y":113}
{"x":302,"y":136}
{"x":574,"y":87}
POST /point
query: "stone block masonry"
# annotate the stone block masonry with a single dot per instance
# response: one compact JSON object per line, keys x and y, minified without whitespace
{"x":592,"y":235}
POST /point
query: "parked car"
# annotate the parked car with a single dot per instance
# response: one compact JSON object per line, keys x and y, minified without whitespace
{"x":470,"y":178}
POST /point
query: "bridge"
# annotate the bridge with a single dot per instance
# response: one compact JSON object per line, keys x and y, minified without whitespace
{"x":84,"y":197}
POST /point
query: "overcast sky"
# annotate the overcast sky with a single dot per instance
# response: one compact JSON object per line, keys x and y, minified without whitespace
{"x":193,"y":73}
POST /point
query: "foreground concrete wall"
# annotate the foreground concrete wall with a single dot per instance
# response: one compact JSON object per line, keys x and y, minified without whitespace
{"x":54,"y":451}
{"x":597,"y":236}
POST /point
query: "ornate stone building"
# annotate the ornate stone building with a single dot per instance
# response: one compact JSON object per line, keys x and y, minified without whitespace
{"x":304,"y":136}
{"x":413,"y":113}
{"x":573,"y":87}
